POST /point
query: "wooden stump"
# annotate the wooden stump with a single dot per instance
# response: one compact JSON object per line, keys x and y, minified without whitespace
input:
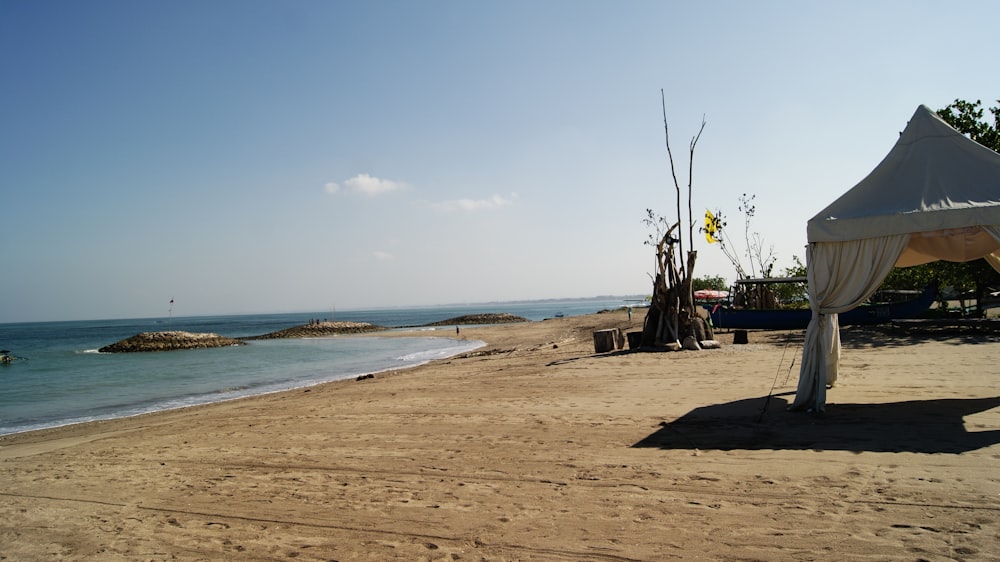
{"x":740,"y":337}
{"x":604,"y":340}
{"x":634,"y":340}
{"x":649,"y":326}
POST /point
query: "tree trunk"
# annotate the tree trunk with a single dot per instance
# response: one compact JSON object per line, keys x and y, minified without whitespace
{"x":650,"y":325}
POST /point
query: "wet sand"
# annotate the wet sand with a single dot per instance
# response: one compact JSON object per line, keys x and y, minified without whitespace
{"x":535,"y":448}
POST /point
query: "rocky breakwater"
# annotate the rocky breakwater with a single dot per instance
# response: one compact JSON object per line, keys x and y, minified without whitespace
{"x":168,"y":341}
{"x":320,"y":329}
{"x":488,"y":318}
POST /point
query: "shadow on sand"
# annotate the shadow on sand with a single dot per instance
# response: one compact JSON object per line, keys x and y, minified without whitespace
{"x":884,"y":335}
{"x":917,"y":426}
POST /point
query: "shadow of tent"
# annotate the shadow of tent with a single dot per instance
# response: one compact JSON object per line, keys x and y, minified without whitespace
{"x":918,"y":426}
{"x":884,"y":335}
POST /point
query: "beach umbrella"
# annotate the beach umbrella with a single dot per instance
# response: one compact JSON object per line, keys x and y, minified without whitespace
{"x":710,"y":294}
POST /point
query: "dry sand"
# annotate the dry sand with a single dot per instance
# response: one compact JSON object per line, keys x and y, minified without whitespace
{"x":537,"y":449}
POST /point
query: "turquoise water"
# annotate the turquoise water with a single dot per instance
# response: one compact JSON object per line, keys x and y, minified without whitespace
{"x":65,"y":380}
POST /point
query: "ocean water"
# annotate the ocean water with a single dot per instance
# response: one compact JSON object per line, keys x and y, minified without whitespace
{"x":64,"y":380}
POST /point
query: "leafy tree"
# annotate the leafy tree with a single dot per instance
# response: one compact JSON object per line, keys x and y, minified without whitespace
{"x":716,"y":283}
{"x":797,"y":270}
{"x":967,"y":118}
{"x":793,"y":294}
{"x":973,"y":276}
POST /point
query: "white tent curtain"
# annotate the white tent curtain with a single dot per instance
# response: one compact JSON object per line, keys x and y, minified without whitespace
{"x":842,"y":275}
{"x":935,"y":196}
{"x":994,"y":258}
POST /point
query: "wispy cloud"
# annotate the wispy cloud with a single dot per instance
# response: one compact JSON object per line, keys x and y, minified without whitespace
{"x":383,"y":256}
{"x":469,"y":205}
{"x":366,"y":185}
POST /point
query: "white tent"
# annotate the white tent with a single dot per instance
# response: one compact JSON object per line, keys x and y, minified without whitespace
{"x":935,"y":196}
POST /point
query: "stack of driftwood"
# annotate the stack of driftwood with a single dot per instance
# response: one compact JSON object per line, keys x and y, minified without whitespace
{"x":673,"y":321}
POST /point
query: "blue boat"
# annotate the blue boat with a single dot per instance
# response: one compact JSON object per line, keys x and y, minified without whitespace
{"x":724,"y":316}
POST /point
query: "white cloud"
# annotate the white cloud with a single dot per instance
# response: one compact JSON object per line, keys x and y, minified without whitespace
{"x":368,"y":185}
{"x":383,"y":256}
{"x":494,"y":202}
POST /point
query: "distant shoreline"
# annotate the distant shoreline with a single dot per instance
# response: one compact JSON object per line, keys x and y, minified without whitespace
{"x":177,"y":340}
{"x":620,"y":301}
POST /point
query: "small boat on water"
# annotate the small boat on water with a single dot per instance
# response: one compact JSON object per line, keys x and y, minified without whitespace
{"x":6,"y":358}
{"x":728,"y":316}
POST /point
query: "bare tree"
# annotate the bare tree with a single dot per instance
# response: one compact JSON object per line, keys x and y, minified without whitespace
{"x":672,"y":316}
{"x":761,"y":257}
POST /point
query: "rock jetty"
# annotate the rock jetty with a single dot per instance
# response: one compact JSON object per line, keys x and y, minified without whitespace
{"x":320,"y":329}
{"x":168,"y":341}
{"x":489,"y":318}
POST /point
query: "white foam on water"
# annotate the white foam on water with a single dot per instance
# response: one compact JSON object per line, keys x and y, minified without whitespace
{"x":421,"y":357}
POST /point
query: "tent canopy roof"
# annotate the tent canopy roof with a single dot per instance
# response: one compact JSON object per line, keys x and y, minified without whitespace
{"x":934,"y":178}
{"x":935,"y":196}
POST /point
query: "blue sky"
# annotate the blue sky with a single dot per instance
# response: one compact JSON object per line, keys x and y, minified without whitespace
{"x":261,"y":156}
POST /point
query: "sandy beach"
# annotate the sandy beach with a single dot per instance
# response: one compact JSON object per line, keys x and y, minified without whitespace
{"x":535,"y":448}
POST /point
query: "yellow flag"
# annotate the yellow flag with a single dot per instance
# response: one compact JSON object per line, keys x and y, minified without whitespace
{"x":711,"y":227}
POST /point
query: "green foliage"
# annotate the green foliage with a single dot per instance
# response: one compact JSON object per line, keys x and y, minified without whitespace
{"x":967,"y":278}
{"x":716,"y":283}
{"x":792,"y":294}
{"x":962,"y":277}
{"x":967,"y":118}
{"x":797,"y":270}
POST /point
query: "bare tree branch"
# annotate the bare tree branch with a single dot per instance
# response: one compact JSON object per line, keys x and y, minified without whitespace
{"x":694,"y":141}
{"x":673,"y":171}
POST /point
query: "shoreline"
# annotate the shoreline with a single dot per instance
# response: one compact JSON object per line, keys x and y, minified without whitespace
{"x":169,"y":406}
{"x":542,"y":450}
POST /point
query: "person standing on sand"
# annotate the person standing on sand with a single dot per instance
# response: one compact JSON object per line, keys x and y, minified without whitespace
{"x":456,"y":330}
